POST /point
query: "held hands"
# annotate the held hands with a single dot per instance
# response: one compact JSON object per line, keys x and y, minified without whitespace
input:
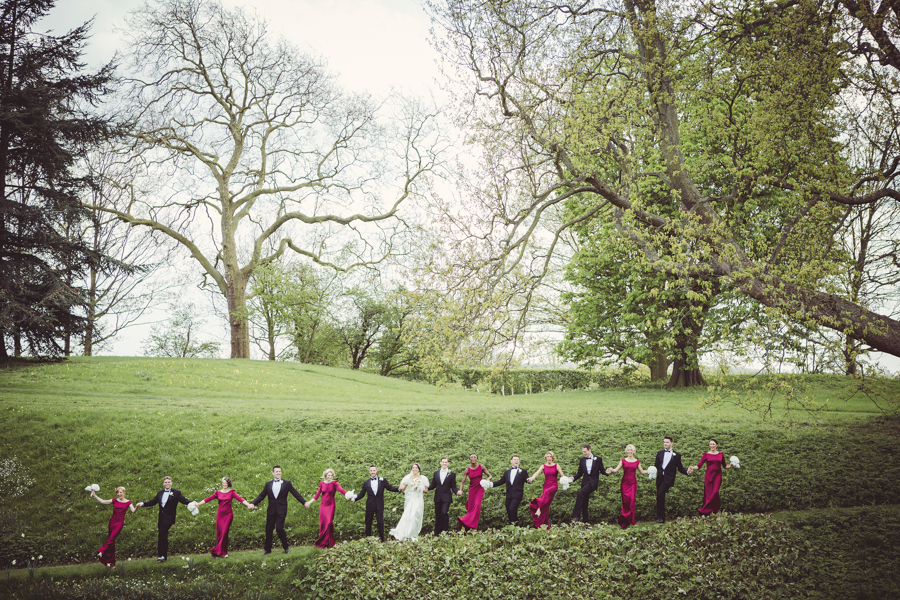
{"x":139,"y":504}
{"x":459,"y":493}
{"x":251,"y":506}
{"x":609,"y":470}
{"x":308,"y":503}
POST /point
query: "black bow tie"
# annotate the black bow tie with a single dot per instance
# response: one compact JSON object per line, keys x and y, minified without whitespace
{"x":374,"y":479}
{"x":277,"y":481}
{"x":666,"y":450}
{"x":168,"y":491}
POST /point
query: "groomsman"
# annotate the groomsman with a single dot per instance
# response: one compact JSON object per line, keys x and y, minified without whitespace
{"x":443,"y":483}
{"x":168,"y":499}
{"x":590,"y":467}
{"x":514,"y":479}
{"x":668,"y":462}
{"x":276,"y":492}
{"x":373,"y":488}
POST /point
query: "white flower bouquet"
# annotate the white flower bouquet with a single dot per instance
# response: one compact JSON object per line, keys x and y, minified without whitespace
{"x":565,"y":481}
{"x":486,"y":484}
{"x":735,"y":462}
{"x":350,"y":495}
{"x":651,"y":472}
{"x":92,"y":488}
{"x":193,"y":508}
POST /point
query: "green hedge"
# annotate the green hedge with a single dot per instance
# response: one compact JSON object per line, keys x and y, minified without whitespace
{"x":727,"y":556}
{"x":532,"y":381}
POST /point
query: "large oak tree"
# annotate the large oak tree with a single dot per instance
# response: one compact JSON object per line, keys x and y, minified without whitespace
{"x":718,"y":137}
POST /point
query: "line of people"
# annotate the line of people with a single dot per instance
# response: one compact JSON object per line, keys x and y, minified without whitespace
{"x":476,"y":480}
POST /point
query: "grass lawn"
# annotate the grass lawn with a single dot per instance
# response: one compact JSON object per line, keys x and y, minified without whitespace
{"x":130,"y":421}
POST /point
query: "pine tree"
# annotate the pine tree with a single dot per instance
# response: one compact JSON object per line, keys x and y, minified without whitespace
{"x":48,"y":120}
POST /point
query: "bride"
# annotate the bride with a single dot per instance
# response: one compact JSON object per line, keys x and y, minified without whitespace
{"x":413,"y":486}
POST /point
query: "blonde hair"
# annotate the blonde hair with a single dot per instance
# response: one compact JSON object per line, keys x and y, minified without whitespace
{"x":552,"y":456}
{"x":631,"y":446}
{"x":325,"y":473}
{"x":120,"y":488}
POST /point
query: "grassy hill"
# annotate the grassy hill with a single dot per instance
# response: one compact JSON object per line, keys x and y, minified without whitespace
{"x":130,"y":421}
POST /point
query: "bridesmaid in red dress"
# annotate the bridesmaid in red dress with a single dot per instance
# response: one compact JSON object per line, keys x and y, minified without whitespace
{"x":107,"y":552}
{"x":224,"y":516}
{"x":327,"y":490}
{"x":714,"y":460}
{"x":474,"y":474}
{"x":631,"y":466}
{"x":540,"y":507}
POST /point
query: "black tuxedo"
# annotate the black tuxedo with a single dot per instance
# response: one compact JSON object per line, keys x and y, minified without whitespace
{"x":589,"y":483}
{"x":375,"y":503}
{"x":166,"y":518}
{"x":665,"y":479}
{"x":443,"y":496}
{"x":514,"y":491}
{"x":277,"y":510}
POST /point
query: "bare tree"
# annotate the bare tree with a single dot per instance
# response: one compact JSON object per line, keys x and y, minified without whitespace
{"x":252,"y":146}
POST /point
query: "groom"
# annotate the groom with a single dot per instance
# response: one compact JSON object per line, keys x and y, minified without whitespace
{"x":276,"y":492}
{"x":668,"y":462}
{"x":514,"y":479}
{"x":374,"y":487}
{"x":590,"y":467}
{"x":168,"y":499}
{"x":443,"y":483}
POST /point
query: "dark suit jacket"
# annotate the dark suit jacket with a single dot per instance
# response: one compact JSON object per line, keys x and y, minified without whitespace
{"x":375,"y":500}
{"x":591,"y":479}
{"x":674,"y":464}
{"x":443,"y":491}
{"x":167,"y":512}
{"x":516,"y":489}
{"x":277,"y":506}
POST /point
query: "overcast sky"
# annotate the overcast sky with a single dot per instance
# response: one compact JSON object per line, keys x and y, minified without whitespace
{"x":374,"y":45}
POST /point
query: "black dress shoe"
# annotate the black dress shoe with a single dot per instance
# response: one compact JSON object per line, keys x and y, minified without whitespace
{"x":266,"y":552}
{"x":287,"y":550}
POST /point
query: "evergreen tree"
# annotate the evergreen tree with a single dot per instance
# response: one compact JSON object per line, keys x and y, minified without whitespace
{"x":47,"y":122}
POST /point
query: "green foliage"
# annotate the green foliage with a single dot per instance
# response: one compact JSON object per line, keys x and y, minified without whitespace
{"x":533,"y":381}
{"x":697,"y":558}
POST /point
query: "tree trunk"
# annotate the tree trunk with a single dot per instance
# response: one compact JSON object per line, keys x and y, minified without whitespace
{"x":237,"y":314}
{"x":685,"y":377}
{"x":659,"y":366}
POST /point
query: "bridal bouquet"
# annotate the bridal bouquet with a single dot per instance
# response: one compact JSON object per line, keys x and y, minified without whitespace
{"x":735,"y":462}
{"x":193,"y":508}
{"x":651,"y":472}
{"x":564,"y":482}
{"x":486,"y":484}
{"x":350,"y":495}
{"x":92,"y":488}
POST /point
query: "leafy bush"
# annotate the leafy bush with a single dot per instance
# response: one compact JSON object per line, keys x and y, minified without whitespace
{"x":532,"y":381}
{"x":727,"y":556}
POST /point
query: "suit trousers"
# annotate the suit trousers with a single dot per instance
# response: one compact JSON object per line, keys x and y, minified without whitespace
{"x":581,"y":502}
{"x":379,"y":520}
{"x":275,"y":522}
{"x":663,"y":485}
{"x":512,"y":508}
{"x":162,"y":543}
{"x":441,"y":516}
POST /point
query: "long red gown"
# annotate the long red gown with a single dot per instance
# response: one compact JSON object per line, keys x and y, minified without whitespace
{"x":224,"y":517}
{"x":711,"y":482}
{"x":629,"y":493}
{"x":326,"y":513}
{"x":476,"y":495}
{"x":116,"y":523}
{"x":551,"y":484}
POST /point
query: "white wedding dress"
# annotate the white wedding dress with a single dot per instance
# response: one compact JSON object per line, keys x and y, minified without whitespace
{"x":410,"y":524}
